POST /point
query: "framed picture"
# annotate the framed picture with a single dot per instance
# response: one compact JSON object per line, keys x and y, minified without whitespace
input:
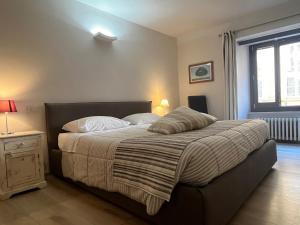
{"x":201,"y":72}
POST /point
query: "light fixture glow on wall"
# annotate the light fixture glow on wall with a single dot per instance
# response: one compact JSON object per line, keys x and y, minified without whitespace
{"x":103,"y":34}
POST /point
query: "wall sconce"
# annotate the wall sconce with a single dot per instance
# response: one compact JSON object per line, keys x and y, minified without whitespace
{"x":103,"y":35}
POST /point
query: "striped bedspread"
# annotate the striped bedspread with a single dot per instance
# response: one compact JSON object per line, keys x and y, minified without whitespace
{"x":150,"y":163}
{"x":146,"y":166}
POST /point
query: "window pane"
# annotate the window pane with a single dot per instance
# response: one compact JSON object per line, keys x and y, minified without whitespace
{"x":265,"y":75}
{"x":290,"y":74}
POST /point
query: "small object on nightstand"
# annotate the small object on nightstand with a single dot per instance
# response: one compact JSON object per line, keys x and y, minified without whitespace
{"x":21,"y":163}
{"x":7,"y":106}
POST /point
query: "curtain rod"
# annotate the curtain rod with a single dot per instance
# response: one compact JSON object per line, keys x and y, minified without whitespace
{"x":261,"y":24}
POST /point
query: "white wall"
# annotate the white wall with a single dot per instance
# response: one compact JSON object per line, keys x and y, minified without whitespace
{"x":202,"y":50}
{"x":47,"y":54}
{"x":202,"y":45}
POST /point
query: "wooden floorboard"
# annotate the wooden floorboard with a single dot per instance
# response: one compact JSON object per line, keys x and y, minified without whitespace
{"x":275,"y":202}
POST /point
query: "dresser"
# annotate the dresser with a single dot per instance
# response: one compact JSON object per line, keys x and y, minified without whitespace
{"x":21,"y":163}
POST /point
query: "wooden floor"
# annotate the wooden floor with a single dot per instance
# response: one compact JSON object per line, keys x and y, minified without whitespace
{"x":275,"y":202}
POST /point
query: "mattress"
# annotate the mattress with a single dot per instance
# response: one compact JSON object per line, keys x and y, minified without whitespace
{"x":207,"y":153}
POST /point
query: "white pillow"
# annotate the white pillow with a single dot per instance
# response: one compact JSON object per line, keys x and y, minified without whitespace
{"x":142,"y":118}
{"x":95,"y":123}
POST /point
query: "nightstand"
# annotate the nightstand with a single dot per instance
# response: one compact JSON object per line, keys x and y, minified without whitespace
{"x":21,"y":163}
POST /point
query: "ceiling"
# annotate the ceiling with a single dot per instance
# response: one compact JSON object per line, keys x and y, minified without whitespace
{"x":174,"y":17}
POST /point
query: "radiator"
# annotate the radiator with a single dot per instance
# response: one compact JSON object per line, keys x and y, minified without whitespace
{"x":284,"y":129}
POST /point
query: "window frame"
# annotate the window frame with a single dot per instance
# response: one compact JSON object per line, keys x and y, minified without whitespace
{"x":274,"y":106}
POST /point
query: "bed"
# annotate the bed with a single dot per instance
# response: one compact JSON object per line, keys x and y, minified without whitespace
{"x":189,"y":204}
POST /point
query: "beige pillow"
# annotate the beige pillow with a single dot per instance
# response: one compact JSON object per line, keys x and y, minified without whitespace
{"x":180,"y":120}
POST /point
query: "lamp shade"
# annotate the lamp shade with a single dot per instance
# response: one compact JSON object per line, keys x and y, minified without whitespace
{"x":164,"y":103}
{"x":7,"y":106}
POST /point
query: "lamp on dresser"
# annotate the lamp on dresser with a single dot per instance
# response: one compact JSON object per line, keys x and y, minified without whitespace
{"x":7,"y":106}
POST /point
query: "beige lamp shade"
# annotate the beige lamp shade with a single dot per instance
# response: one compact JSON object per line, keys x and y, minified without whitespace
{"x":164,"y":103}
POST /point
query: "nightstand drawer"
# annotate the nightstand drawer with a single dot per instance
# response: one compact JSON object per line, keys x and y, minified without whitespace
{"x":21,"y":144}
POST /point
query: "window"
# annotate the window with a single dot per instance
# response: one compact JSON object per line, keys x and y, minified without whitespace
{"x":266,"y":74}
{"x":290,"y":86}
{"x":275,"y":73}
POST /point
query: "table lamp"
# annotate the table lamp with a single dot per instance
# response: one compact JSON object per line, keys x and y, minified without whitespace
{"x":164,"y":103}
{"x":7,"y":106}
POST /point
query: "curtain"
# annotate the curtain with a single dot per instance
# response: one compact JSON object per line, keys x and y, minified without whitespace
{"x":229,"y":60}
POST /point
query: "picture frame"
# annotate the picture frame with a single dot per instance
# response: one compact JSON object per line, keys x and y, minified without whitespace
{"x":201,"y":72}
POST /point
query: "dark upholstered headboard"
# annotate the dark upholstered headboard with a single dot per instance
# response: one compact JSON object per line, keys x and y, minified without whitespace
{"x":58,"y":114}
